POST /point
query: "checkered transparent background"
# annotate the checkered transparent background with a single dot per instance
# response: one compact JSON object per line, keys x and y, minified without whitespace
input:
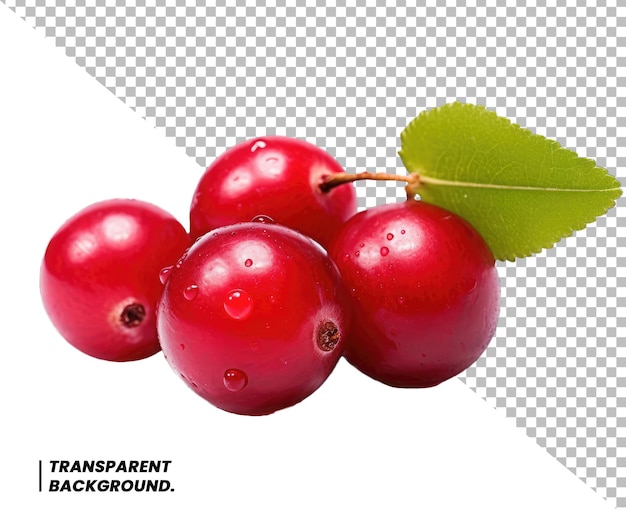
{"x":349,"y":79}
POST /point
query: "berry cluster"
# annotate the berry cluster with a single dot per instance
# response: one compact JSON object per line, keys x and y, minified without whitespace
{"x":278,"y":278}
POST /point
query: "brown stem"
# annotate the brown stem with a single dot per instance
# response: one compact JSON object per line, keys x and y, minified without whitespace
{"x":335,"y":179}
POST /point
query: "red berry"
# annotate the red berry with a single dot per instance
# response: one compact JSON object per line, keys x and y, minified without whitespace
{"x":275,"y":176}
{"x":100,"y":277}
{"x":425,"y":293}
{"x":265,"y":326}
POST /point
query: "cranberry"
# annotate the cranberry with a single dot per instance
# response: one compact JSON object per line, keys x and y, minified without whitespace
{"x":100,"y":277}
{"x":254,"y":317}
{"x":276,"y":176}
{"x":425,"y":293}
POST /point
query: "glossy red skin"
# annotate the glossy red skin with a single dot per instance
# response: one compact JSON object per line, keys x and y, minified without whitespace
{"x":275,"y":176}
{"x":103,"y":259}
{"x":427,"y":308}
{"x":294,"y":287}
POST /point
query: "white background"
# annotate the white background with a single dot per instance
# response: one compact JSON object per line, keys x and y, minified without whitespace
{"x":354,"y":448}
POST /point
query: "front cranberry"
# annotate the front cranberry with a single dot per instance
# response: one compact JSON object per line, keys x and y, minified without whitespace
{"x":253,"y":318}
{"x":100,"y":277}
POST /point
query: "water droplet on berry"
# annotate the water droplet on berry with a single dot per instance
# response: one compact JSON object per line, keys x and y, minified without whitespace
{"x":248,"y":262}
{"x":235,"y":380}
{"x":238,"y":304}
{"x":182,"y":346}
{"x":357,"y":253}
{"x":389,"y":236}
{"x":263,"y":219}
{"x":384,"y":251}
{"x":165,"y":274}
{"x":259,"y":144}
{"x":181,"y":260}
{"x":190,"y":292}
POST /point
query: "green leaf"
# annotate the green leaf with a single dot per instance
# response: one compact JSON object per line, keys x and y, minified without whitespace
{"x":521,"y":191}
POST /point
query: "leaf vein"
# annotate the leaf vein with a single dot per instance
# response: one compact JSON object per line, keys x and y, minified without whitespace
{"x":429,"y":180}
